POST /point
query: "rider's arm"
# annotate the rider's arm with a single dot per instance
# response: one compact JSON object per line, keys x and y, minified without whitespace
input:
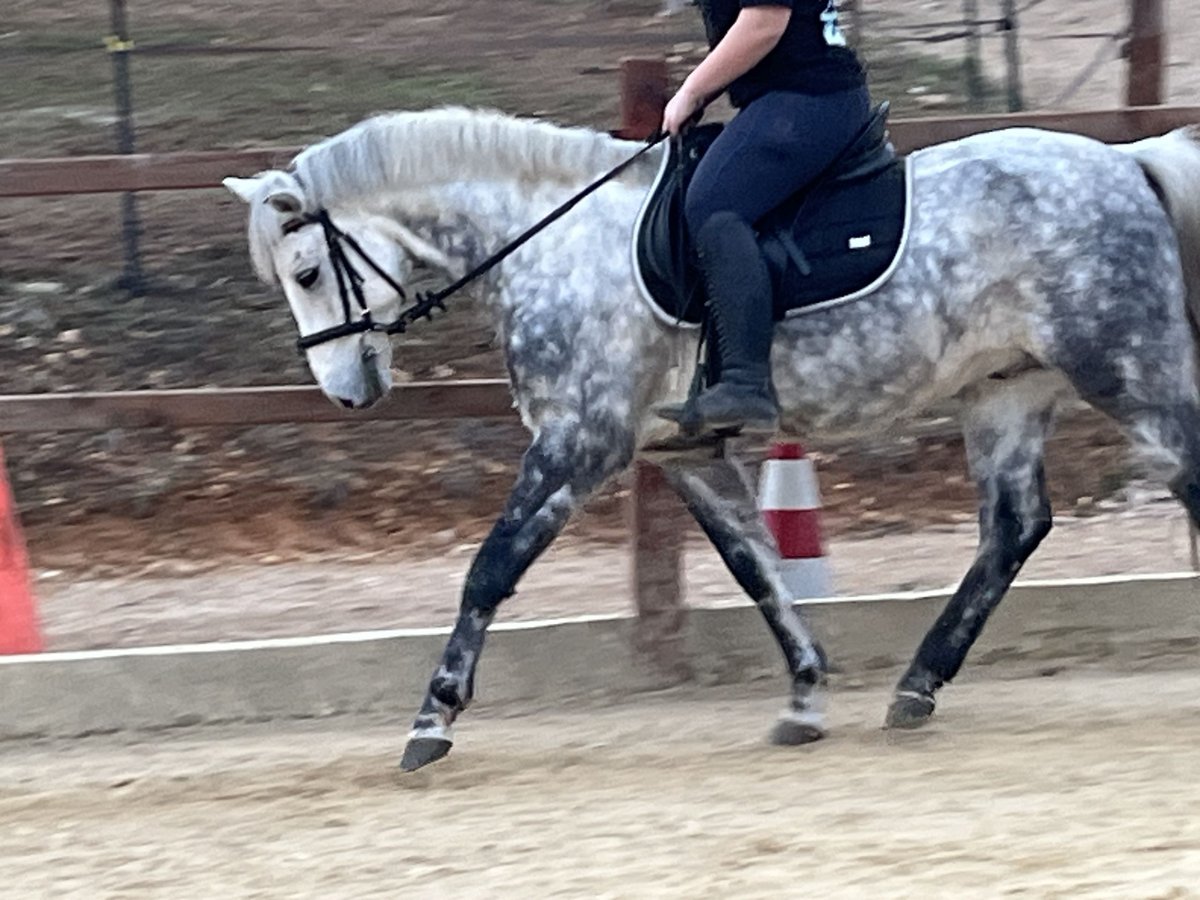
{"x":752,"y":36}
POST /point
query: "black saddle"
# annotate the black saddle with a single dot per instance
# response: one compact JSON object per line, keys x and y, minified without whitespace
{"x":833,"y":241}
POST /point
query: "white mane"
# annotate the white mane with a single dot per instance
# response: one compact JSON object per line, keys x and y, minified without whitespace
{"x":397,"y":151}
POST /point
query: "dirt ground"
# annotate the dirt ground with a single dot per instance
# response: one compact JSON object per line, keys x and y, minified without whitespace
{"x":1065,"y":787}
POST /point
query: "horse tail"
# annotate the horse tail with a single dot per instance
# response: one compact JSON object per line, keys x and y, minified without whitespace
{"x":1172,"y":163}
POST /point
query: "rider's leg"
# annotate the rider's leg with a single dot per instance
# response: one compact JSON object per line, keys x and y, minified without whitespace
{"x":773,"y":148}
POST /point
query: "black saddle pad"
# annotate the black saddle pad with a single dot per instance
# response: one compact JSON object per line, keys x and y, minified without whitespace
{"x":834,"y":241}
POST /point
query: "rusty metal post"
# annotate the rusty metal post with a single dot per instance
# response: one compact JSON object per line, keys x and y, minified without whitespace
{"x":657,"y":519}
{"x":1147,"y":53}
{"x":119,"y":46}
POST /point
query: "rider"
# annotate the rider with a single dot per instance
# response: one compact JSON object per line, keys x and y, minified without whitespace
{"x":801,"y":97}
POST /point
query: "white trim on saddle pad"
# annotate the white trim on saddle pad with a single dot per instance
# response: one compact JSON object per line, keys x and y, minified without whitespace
{"x":791,"y":314}
{"x":633,"y":247}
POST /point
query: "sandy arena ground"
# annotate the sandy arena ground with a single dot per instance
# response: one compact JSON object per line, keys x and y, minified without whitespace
{"x":1074,"y":786}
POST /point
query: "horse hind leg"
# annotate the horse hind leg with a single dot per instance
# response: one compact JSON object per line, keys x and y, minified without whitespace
{"x":1154,"y":399}
{"x":719,"y":495}
{"x":1005,"y":425}
{"x":1168,"y":442}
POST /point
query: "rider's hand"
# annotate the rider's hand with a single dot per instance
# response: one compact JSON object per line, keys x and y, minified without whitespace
{"x":680,"y":110}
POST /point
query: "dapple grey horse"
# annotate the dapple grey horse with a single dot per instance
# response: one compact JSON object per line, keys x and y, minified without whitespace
{"x":1040,"y":267}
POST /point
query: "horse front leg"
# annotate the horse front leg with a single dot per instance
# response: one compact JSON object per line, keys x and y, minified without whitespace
{"x":719,"y":494}
{"x":557,"y":474}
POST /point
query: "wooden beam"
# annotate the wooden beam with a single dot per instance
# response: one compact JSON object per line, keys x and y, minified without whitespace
{"x":134,"y":172}
{"x":657,"y":519}
{"x":1147,"y":53}
{"x":658,"y":523}
{"x":226,"y":407}
{"x":188,"y":171}
{"x":644,"y":86}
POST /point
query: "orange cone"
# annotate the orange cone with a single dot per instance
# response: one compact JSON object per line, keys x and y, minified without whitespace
{"x":19,"y":632}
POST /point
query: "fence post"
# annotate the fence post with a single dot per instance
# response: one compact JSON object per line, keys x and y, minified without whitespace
{"x":1012,"y":55}
{"x":854,"y":24}
{"x":657,"y":519}
{"x":1147,"y":51}
{"x":119,"y":47}
{"x":658,"y":522}
{"x":972,"y":62}
{"x":644,"y":85}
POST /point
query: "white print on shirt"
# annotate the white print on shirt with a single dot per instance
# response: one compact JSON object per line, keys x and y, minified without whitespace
{"x":833,"y":32}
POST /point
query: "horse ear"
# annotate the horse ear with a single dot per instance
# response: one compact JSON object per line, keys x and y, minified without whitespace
{"x":244,"y":188}
{"x":283,"y":198}
{"x":417,"y":245}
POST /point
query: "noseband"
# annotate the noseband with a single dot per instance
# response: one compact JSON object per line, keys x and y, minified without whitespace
{"x":350,"y":282}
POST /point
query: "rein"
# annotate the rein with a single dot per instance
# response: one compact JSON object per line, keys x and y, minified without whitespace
{"x":350,"y":281}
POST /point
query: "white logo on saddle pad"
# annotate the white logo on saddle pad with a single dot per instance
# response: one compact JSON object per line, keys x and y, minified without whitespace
{"x":860,"y":243}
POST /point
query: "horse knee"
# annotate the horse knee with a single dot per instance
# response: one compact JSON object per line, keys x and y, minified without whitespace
{"x":1035,"y":531}
{"x":487,"y":585}
{"x":1018,"y":516}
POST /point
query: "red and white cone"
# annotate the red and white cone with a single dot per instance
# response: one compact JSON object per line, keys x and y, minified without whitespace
{"x":790,"y":501}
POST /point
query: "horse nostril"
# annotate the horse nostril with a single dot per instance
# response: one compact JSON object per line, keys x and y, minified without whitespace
{"x":346,"y":404}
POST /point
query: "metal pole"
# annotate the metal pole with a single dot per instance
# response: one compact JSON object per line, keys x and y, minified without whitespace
{"x":119,"y":47}
{"x":1147,"y":52}
{"x":972,"y":64}
{"x":1012,"y":54}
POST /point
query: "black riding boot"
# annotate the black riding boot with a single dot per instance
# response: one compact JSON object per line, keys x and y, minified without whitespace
{"x":739,"y":295}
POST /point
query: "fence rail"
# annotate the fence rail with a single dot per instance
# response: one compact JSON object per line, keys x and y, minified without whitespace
{"x":205,"y":407}
{"x":189,"y":171}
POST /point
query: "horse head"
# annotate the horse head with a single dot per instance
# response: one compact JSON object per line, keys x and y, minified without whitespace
{"x":317,"y":259}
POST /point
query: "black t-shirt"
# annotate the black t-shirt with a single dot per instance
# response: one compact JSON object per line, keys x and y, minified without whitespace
{"x":811,"y":56}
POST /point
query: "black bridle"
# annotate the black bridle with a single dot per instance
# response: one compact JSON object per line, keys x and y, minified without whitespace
{"x":350,"y":281}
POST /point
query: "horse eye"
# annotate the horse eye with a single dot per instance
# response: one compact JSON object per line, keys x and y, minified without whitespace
{"x":308,"y":277}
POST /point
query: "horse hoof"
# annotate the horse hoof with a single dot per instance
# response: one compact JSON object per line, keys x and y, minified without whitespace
{"x":421,"y":751}
{"x":909,"y":711}
{"x":794,"y":729}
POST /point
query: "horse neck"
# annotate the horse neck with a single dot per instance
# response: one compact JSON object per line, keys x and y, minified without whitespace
{"x":470,"y":221}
